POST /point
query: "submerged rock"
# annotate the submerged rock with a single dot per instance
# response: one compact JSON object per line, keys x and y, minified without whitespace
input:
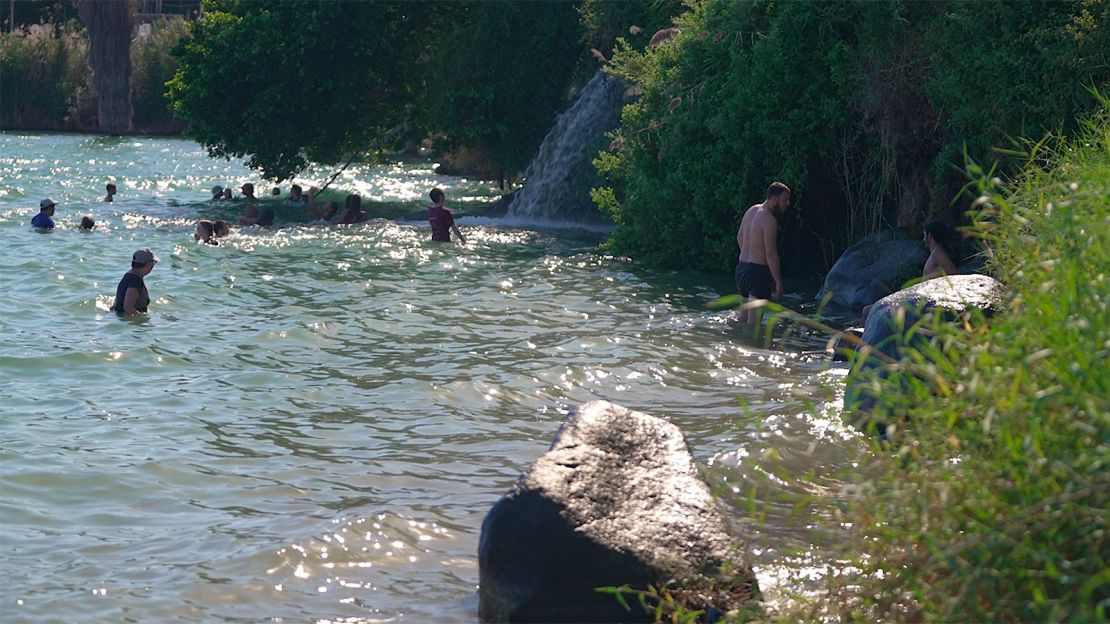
{"x":873,"y":268}
{"x":616,"y":500}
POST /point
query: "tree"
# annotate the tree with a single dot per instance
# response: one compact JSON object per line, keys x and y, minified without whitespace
{"x":299,"y":81}
{"x":500,"y":76}
{"x":109,"y":23}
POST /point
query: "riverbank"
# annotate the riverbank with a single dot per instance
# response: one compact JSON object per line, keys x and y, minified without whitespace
{"x":989,"y":503}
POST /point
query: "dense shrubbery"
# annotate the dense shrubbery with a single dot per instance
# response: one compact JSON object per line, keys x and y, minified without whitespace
{"x":990,"y":503}
{"x":863,"y":108}
{"x":45,"y":78}
{"x":324,"y":81}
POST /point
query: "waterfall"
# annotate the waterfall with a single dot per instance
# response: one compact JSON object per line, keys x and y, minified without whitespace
{"x":557,"y":182}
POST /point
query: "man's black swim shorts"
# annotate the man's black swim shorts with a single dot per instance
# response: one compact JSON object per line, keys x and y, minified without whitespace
{"x":754,"y":280}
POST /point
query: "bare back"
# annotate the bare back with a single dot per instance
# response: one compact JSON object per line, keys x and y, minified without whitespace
{"x":755,"y":227}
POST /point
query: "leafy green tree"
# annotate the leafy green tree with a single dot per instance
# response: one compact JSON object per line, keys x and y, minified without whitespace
{"x":297,"y":81}
{"x":499,"y":75}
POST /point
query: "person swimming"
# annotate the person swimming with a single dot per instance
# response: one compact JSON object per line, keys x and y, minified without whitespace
{"x":205,"y":232}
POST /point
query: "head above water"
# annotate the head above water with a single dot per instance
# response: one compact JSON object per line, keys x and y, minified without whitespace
{"x":248,"y":189}
{"x":295,"y":191}
{"x":205,"y":230}
{"x":778,"y":197}
{"x":87,"y":223}
{"x":143,"y":258}
{"x":276,"y":191}
{"x":938,"y":231}
{"x":220,"y":228}
{"x":111,"y":188}
{"x":217,"y":191}
{"x":354,"y":202}
{"x":330,"y":208}
{"x":437,"y":195}
{"x":47,"y":206}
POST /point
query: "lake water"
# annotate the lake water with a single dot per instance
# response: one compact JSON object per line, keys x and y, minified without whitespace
{"x":313,"y":421}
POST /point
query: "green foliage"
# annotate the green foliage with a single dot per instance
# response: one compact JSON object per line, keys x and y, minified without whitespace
{"x":297,"y":81}
{"x":635,"y":21}
{"x":152,"y":66}
{"x":991,"y":498}
{"x":43,"y":75}
{"x":860,"y":107}
{"x":498,"y":76}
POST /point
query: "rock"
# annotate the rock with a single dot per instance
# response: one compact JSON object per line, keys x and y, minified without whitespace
{"x":873,"y":268}
{"x":954,"y":294}
{"x":883,"y":330}
{"x":616,"y":500}
{"x":500,"y":206}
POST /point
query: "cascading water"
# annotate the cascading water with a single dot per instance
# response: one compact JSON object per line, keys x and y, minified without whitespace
{"x":558,"y":180}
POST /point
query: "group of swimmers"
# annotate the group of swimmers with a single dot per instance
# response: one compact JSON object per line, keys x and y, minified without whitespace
{"x":132,"y":296}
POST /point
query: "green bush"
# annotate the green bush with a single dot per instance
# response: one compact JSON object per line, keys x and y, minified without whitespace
{"x":43,"y":76}
{"x":152,"y":67}
{"x":992,"y":497}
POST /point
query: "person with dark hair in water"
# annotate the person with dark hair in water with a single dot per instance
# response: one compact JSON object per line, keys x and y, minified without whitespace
{"x":111,"y":190}
{"x":352,"y":211}
{"x":323,"y":215}
{"x":441,"y":219}
{"x":296,"y":195}
{"x":87,"y":223}
{"x":252,"y":216}
{"x":205,"y":232}
{"x":757,"y":272}
{"x":936,"y":238}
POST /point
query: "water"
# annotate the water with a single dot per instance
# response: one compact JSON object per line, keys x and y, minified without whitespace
{"x":313,"y":421}
{"x":561,"y":174}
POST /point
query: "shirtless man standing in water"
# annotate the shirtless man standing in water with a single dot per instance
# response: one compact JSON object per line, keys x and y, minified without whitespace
{"x":758,"y":272}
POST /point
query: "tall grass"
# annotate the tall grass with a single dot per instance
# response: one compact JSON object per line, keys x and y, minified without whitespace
{"x":45,"y":78}
{"x":993,"y":500}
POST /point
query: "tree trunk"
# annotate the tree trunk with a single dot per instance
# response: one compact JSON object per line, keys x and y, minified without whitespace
{"x":109,"y":24}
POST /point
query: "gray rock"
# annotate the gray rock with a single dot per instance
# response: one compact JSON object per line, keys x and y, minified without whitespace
{"x":873,"y":268}
{"x":616,"y":500}
{"x":953,"y":294}
{"x":891,"y":316}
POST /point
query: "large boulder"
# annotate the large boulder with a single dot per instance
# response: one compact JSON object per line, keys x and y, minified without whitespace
{"x":616,"y":500}
{"x":873,"y":268}
{"x":952,"y":294}
{"x":891,"y":317}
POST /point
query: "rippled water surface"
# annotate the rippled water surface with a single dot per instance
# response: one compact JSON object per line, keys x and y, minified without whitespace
{"x":313,"y":421}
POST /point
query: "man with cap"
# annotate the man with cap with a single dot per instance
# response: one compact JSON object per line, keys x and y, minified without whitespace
{"x":131,"y":294}
{"x":42,"y":220}
{"x":217,"y":192}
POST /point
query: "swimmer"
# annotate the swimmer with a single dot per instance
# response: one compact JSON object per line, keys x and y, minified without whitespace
{"x":323,"y":215}
{"x":87,"y":223}
{"x":441,"y":219}
{"x":220,"y":228}
{"x":205,"y":232}
{"x":111,"y":190}
{"x":42,"y":220}
{"x":352,"y":212}
{"x":131,"y":293}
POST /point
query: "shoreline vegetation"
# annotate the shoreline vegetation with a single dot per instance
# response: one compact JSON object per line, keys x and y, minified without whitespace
{"x":990,"y":499}
{"x":46,"y":84}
